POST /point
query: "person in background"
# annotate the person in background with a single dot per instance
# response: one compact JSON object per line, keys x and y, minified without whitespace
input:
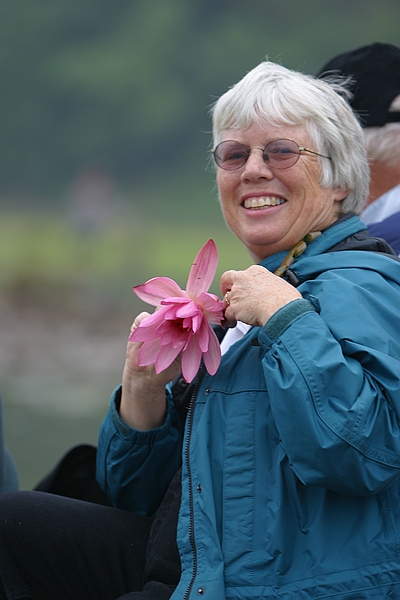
{"x":8,"y":471}
{"x":284,"y":465}
{"x":375,"y":73}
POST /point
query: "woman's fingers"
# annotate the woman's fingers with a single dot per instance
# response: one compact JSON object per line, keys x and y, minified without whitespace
{"x":254,"y":295}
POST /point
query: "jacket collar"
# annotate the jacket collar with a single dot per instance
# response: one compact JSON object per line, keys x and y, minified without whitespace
{"x":342,"y":228}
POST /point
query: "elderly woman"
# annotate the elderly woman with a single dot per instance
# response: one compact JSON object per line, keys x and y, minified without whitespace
{"x":290,"y":453}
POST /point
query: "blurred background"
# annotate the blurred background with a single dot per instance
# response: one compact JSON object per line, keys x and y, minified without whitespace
{"x":105,"y":178}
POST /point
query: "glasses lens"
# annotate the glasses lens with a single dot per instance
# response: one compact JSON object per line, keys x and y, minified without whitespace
{"x":230,"y":155}
{"x":281,"y":154}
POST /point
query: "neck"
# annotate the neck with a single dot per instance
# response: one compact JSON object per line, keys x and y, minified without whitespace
{"x":383,"y":179}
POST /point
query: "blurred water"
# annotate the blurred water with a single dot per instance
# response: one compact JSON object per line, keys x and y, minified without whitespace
{"x":44,"y":418}
{"x":57,"y":372}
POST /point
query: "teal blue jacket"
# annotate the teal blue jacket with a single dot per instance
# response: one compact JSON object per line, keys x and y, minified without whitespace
{"x":291,"y":452}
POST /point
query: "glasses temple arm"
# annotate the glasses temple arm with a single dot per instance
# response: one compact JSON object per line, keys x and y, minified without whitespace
{"x":312,"y":152}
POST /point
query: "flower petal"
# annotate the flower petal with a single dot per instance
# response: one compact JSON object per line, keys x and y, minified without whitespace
{"x":148,"y":327}
{"x":197,"y":321}
{"x":142,"y":335}
{"x":203,"y":270}
{"x":170,"y":313}
{"x":211,"y":306}
{"x":204,"y":336}
{"x":148,"y":353}
{"x":212,"y":357}
{"x":173,"y":335}
{"x":188,"y":310}
{"x":156,"y":289}
{"x":190,"y":360}
{"x":166,"y":356}
{"x":176,"y":300}
{"x":146,"y":332}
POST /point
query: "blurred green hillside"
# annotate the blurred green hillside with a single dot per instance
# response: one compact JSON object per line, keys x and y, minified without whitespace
{"x":127,"y":85}
{"x":46,"y":255}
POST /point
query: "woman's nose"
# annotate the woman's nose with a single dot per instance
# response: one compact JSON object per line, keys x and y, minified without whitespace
{"x":255,"y":166}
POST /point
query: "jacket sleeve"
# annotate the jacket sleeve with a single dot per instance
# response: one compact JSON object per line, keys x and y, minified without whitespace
{"x":333,"y":378}
{"x":135,"y":468}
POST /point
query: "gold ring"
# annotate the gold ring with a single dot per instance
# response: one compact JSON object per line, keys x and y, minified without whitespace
{"x":226,"y":298}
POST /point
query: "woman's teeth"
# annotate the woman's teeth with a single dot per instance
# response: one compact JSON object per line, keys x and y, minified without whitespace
{"x":263,"y":201}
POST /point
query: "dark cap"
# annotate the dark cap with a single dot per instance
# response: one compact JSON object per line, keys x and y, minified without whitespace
{"x":375,"y":70}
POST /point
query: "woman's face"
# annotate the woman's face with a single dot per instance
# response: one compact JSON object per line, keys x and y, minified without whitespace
{"x":270,"y":211}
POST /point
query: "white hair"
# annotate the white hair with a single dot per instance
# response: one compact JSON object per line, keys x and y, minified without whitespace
{"x":383,"y":143}
{"x":275,"y":95}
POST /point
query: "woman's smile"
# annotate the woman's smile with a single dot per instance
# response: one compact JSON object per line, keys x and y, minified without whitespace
{"x":260,"y":202}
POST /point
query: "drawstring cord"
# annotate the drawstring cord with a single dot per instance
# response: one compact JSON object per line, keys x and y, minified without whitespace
{"x":295,"y":252}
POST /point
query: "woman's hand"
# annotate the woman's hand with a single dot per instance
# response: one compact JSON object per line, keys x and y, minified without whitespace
{"x":254,"y":295}
{"x":143,"y":402}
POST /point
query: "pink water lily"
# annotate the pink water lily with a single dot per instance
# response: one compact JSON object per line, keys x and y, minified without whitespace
{"x":181,"y":323}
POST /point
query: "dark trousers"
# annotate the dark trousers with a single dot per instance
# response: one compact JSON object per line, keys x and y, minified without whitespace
{"x":58,"y":548}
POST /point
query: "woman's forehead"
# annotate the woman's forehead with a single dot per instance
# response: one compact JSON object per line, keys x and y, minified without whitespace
{"x":265,"y":132}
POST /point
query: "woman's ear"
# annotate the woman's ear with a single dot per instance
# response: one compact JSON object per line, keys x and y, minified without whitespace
{"x":340,"y":194}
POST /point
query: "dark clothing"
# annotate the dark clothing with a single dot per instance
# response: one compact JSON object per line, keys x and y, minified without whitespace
{"x":75,"y":477}
{"x":139,"y":551}
{"x":55,"y":548}
{"x":389,"y":229}
{"x":382,"y":217}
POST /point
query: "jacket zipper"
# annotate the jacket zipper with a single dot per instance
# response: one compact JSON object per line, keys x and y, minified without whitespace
{"x":189,"y":472}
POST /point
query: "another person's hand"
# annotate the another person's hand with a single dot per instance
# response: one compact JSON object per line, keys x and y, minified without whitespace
{"x":254,"y":295}
{"x":143,"y":402}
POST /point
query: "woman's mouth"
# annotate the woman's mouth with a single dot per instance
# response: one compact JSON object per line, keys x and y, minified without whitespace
{"x":262,"y":202}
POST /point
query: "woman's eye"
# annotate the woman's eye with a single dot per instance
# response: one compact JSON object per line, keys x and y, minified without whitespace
{"x":236,"y":156}
{"x":283,"y":151}
{"x":281,"y":154}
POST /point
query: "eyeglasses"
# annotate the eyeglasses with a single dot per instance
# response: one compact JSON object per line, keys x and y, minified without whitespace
{"x":278,"y":154}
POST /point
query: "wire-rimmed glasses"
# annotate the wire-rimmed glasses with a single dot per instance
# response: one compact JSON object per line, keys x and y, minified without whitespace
{"x":278,"y":154}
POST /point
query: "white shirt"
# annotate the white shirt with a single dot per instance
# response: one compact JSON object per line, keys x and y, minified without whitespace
{"x":233,"y":335}
{"x":383,"y":207}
